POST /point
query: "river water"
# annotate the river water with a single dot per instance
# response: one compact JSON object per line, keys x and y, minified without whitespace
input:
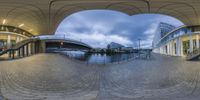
{"x":98,"y":58}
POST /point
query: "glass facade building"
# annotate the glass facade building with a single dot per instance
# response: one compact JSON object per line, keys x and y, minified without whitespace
{"x":178,"y":42}
{"x":165,"y":28}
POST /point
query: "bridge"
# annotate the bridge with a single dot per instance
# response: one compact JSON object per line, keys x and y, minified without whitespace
{"x":59,"y":42}
{"x":41,"y":45}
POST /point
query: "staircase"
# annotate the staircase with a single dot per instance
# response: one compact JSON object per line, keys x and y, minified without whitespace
{"x":194,"y":55}
{"x":21,"y":49}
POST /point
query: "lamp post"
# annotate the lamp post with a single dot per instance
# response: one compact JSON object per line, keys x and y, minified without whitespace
{"x":139,"y":47}
{"x":61,"y":44}
{"x":139,"y":43}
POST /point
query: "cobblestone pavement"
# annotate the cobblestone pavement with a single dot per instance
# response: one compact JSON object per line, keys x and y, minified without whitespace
{"x":55,"y":77}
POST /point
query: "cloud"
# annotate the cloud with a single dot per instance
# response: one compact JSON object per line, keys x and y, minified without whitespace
{"x":99,"y":27}
{"x":98,"y":39}
{"x":149,"y":32}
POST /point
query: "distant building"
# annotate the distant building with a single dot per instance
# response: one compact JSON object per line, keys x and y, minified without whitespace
{"x":114,"y":45}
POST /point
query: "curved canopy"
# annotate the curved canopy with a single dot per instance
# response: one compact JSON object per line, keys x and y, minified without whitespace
{"x":43,"y":16}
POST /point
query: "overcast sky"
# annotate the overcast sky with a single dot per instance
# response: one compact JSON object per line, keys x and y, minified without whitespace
{"x":100,"y":27}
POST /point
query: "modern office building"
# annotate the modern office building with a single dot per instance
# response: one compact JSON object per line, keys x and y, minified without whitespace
{"x":178,"y":42}
{"x":164,"y":28}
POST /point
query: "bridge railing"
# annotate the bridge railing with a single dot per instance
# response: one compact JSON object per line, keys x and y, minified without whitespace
{"x":54,"y":37}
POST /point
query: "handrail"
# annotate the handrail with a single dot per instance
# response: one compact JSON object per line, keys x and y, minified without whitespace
{"x":17,"y":46}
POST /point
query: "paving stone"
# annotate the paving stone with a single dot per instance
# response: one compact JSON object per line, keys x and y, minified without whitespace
{"x":56,"y":77}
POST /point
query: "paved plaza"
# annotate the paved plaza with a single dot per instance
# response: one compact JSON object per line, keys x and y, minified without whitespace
{"x":55,"y":77}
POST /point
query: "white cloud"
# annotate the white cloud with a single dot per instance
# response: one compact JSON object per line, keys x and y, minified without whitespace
{"x":150,"y":32}
{"x":102,"y":27}
{"x":98,"y":39}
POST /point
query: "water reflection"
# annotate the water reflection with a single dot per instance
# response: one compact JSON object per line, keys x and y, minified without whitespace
{"x":101,"y":58}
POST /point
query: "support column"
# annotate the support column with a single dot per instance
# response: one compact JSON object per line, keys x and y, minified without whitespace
{"x":168,"y":48}
{"x":23,"y":52}
{"x":9,"y":41}
{"x":18,"y":39}
{"x":191,"y":44}
{"x":32,"y":48}
{"x":27,"y":50}
{"x":21,"y":39}
{"x":13,"y":54}
{"x":172,"y":48}
{"x":10,"y":54}
{"x":162,"y":50}
{"x":19,"y":52}
{"x":181,"y":47}
{"x":197,"y":41}
{"x":178,"y":46}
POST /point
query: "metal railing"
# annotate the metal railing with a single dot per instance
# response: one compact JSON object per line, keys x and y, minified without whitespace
{"x":132,"y":56}
{"x":11,"y":51}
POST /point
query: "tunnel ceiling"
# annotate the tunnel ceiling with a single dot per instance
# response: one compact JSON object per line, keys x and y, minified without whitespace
{"x":43,"y":16}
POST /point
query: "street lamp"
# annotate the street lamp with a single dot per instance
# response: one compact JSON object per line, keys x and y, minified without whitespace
{"x":61,"y":44}
{"x":139,"y":43}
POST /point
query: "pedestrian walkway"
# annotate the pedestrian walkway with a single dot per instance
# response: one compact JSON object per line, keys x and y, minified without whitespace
{"x":55,"y":77}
